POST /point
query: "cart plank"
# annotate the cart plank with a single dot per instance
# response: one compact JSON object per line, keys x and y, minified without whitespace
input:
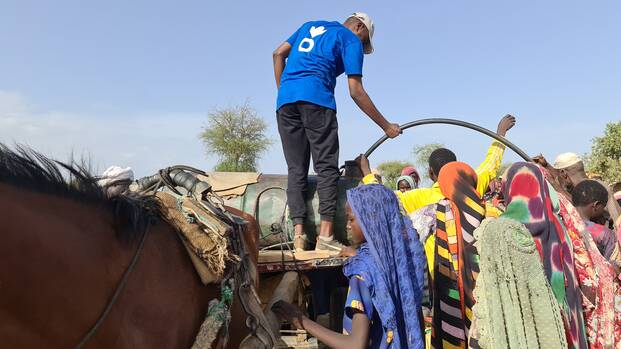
{"x":270,"y":261}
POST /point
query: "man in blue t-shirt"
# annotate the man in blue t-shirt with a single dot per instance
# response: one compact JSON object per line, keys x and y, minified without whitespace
{"x":306,"y":67}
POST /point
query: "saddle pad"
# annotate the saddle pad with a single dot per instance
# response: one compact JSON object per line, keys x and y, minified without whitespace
{"x":230,"y":184}
{"x":203,"y":235}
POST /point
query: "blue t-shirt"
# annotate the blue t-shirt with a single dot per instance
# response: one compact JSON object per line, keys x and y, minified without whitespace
{"x":359,"y":300}
{"x":320,"y":52}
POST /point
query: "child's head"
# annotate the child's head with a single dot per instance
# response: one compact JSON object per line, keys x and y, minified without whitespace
{"x":374,"y":216}
{"x":353,"y":226}
{"x":403,"y":186}
{"x":405,"y":183}
{"x":590,"y":198}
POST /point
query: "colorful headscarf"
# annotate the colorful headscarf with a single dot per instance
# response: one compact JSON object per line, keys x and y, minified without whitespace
{"x":409,"y":171}
{"x":455,"y":257}
{"x":530,"y":201}
{"x":407,"y":179}
{"x":391,"y":262}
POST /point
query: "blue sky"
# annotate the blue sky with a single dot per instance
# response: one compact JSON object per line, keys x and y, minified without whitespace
{"x":131,"y":82}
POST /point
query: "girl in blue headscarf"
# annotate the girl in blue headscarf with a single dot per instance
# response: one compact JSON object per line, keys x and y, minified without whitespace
{"x":383,"y":307}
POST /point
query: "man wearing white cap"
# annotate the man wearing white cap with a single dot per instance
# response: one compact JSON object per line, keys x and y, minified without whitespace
{"x":306,"y":67}
{"x":571,"y":168}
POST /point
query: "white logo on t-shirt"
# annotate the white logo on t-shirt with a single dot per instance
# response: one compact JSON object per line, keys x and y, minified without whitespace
{"x":314,"y":31}
{"x":307,"y":44}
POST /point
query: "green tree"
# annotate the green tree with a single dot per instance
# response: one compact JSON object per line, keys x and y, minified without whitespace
{"x":503,"y":167}
{"x":605,"y":157}
{"x":237,"y":136}
{"x":391,"y":170}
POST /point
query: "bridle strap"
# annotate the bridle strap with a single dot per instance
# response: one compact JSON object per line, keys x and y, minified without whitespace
{"x":117,"y":292}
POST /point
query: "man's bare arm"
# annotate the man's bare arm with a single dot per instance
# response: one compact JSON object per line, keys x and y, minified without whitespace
{"x":364,"y":102}
{"x":279,"y":56}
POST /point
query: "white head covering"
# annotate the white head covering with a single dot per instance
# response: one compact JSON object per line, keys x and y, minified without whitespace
{"x":115,"y":180}
{"x":115,"y":174}
{"x":566,"y":159}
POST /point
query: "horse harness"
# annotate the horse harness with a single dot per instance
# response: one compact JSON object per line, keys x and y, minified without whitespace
{"x":238,"y":274}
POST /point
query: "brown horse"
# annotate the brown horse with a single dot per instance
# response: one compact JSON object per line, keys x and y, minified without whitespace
{"x":64,"y":248}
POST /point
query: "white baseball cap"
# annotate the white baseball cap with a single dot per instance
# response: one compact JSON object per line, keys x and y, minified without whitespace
{"x":368,"y":22}
{"x":565,"y":160}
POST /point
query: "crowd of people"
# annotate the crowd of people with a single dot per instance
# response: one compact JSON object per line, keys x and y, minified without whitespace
{"x":525,"y":259}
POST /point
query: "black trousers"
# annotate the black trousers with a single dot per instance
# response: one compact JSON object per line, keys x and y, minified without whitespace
{"x":308,"y":129}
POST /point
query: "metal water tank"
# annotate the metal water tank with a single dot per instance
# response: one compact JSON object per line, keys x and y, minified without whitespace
{"x":267,"y":199}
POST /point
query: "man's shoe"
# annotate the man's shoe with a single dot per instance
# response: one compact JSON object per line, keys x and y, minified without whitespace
{"x":328,"y":245}
{"x":299,"y":242}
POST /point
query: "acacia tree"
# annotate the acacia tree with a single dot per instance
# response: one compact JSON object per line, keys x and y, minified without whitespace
{"x":237,"y":136}
{"x":605,"y":158}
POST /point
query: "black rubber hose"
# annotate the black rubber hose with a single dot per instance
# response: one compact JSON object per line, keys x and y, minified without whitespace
{"x":186,"y":180}
{"x":179,"y":178}
{"x":456,"y":123}
{"x":147,"y":182}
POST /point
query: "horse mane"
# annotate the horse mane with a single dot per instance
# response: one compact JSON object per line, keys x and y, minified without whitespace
{"x":30,"y":170}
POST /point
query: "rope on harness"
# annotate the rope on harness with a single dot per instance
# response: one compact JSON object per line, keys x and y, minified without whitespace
{"x":219,"y":314}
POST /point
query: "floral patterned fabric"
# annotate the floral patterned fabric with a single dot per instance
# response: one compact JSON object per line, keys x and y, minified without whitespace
{"x":531,"y":202}
{"x":424,"y":221}
{"x":596,"y":278}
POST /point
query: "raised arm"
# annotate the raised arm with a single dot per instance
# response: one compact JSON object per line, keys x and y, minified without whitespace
{"x":488,"y":169}
{"x":364,"y":102}
{"x":279,"y":56}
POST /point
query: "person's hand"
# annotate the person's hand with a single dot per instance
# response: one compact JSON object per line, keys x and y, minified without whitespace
{"x":347,"y":252}
{"x":505,"y":124}
{"x":541,"y":160}
{"x":393,"y":130}
{"x":289,"y":312}
{"x":364,"y":165}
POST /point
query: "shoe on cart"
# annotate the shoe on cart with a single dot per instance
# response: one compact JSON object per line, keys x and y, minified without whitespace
{"x":328,"y":244}
{"x":300,"y":242}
